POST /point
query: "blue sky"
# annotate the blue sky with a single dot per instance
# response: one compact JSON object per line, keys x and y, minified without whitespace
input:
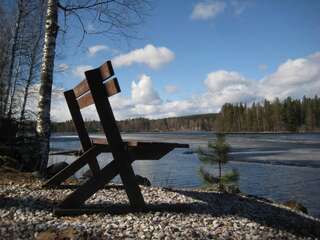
{"x":193,"y":56}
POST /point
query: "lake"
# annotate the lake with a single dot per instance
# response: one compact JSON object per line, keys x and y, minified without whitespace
{"x":275,"y":166}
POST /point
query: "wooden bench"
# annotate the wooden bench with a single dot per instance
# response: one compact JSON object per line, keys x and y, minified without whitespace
{"x":96,"y":89}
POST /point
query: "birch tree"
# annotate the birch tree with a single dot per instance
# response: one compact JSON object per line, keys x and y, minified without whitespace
{"x":5,"y":38}
{"x":46,"y":78}
{"x":13,"y":51}
{"x":115,"y":17}
{"x":32,"y":54}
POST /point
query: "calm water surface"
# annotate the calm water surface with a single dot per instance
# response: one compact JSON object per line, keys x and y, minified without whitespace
{"x":276,"y":166}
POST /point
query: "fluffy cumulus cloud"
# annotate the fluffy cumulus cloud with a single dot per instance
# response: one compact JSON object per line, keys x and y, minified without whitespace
{"x":153,"y":57}
{"x":143,"y":92}
{"x":93,"y":50}
{"x":207,"y":9}
{"x":78,"y":71}
{"x":220,"y":80}
{"x":295,"y":77}
{"x":224,"y":86}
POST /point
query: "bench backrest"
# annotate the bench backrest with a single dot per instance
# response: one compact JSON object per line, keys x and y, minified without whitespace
{"x":85,"y":94}
{"x":82,"y":90}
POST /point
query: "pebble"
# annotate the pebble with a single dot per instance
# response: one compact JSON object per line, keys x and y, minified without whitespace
{"x":26,"y":213}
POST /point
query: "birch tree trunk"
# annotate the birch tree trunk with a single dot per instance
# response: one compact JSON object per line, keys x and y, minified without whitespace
{"x":13,"y":55}
{"x":46,"y":78}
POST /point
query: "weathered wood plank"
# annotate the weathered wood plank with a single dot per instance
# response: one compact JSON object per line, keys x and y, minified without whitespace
{"x":143,"y":150}
{"x":111,"y":86}
{"x":120,"y":153}
{"x":80,"y":127}
{"x":90,"y":187}
{"x":81,"y":88}
{"x":106,"y":71}
{"x":73,"y":167}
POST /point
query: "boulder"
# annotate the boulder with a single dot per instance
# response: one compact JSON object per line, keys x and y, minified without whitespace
{"x":296,"y":206}
{"x":143,"y":181}
{"x":55,"y":168}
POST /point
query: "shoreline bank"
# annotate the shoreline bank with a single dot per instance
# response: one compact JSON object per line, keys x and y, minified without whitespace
{"x":26,"y":212}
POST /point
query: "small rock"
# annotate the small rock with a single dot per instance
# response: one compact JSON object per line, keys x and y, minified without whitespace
{"x":296,"y":206}
{"x":55,"y":168}
{"x":143,"y":181}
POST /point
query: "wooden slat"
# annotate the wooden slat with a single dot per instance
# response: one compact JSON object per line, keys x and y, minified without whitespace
{"x":85,"y":100}
{"x":143,"y":150}
{"x":106,"y":71}
{"x":80,"y":127}
{"x":90,"y":187}
{"x":104,"y":141}
{"x":73,"y":167}
{"x":81,"y":88}
{"x":112,"y":87}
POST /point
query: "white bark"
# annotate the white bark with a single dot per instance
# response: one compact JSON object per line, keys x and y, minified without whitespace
{"x":44,"y":105}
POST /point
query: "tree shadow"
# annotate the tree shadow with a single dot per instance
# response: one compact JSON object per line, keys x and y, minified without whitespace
{"x":208,"y":203}
{"x":262,"y":212}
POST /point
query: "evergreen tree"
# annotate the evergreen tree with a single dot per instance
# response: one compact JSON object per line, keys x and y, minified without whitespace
{"x":217,"y":154}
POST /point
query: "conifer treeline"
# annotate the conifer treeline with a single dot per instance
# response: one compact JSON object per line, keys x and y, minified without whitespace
{"x":289,"y":115}
{"x":203,"y":122}
{"x":276,"y":116}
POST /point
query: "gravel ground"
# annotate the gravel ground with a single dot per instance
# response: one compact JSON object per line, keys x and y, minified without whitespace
{"x":26,"y":213}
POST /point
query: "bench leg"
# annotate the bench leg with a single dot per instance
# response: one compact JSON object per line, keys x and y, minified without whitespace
{"x":85,"y":191}
{"x":67,"y":172}
{"x":94,"y":166}
{"x":129,"y":182}
{"x":90,"y":187}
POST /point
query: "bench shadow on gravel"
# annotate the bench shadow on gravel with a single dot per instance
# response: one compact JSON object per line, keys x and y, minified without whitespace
{"x":223,"y":204}
{"x":211,"y":203}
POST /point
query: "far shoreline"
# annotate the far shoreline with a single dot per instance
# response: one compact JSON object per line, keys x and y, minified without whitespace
{"x":195,"y":131}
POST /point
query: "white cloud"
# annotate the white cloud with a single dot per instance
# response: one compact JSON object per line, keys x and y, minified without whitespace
{"x":220,"y":80}
{"x":232,"y":87}
{"x":93,"y":50}
{"x":59,"y":108}
{"x":63,"y":67}
{"x":143,"y":91}
{"x":170,"y":88}
{"x":295,"y":77}
{"x":153,"y":57}
{"x":79,"y":70}
{"x":207,"y":9}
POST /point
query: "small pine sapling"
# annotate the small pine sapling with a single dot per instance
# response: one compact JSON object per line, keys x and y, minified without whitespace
{"x":217,"y":153}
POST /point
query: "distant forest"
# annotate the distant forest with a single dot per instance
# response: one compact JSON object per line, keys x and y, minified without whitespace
{"x":200,"y":122}
{"x":291,"y":115}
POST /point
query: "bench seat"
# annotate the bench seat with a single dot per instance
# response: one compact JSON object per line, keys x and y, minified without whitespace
{"x":142,"y":150}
